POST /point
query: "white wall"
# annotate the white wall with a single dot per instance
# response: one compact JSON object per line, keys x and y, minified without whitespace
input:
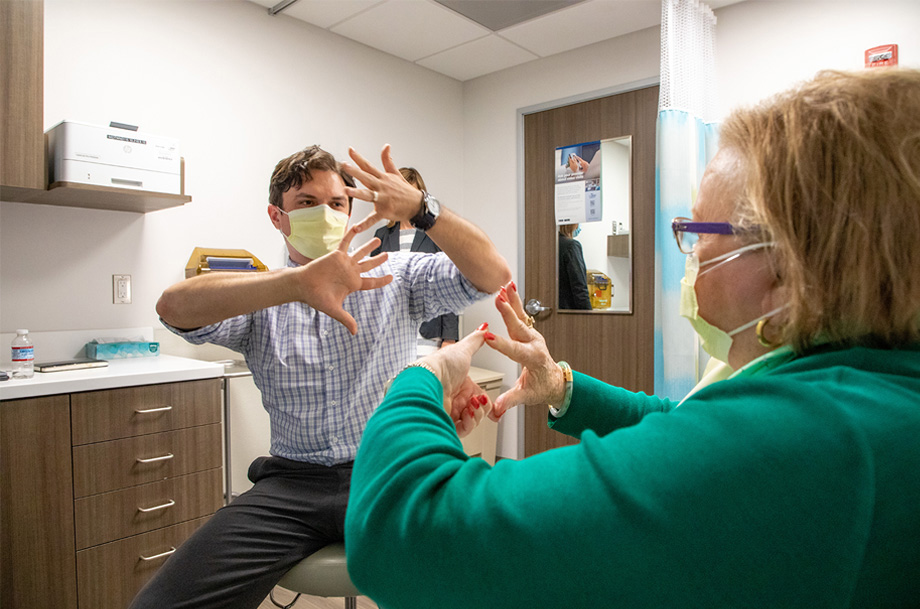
{"x":240,"y":90}
{"x":766,"y":46}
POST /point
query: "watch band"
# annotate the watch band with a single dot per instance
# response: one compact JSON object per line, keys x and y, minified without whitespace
{"x":428,"y":214}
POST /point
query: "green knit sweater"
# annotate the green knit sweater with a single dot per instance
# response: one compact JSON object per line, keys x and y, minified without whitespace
{"x":795,"y":486}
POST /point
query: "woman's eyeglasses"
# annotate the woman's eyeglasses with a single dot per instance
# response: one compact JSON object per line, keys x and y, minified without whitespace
{"x":687,"y":232}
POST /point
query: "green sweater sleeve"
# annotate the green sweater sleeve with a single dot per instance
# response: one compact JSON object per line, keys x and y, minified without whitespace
{"x":603,"y":408}
{"x":687,"y":508}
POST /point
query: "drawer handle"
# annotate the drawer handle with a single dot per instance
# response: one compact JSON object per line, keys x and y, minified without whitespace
{"x":171,"y":550}
{"x":152,"y":410}
{"x":169,"y":503}
{"x":165,"y":457}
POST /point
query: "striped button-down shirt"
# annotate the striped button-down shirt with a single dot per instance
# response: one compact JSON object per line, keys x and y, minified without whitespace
{"x":319,"y":383}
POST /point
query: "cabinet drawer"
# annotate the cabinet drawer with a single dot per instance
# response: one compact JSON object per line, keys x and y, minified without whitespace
{"x":108,"y":466}
{"x":119,"y":514}
{"x":132,"y":411}
{"x":110,"y":575}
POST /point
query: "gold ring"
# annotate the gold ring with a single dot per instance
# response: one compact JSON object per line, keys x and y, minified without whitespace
{"x":528,"y":321}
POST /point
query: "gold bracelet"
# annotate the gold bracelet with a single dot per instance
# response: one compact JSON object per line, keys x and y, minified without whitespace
{"x":421,"y":364}
{"x":415,"y":364}
{"x":558,"y":411}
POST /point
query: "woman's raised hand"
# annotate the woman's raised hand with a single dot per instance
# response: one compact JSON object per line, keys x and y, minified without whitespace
{"x":541,"y":381}
{"x":465,"y":401}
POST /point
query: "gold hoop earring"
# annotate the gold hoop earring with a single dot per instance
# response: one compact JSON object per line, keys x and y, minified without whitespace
{"x":760,"y":337}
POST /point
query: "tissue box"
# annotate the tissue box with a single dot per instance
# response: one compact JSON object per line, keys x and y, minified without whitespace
{"x":121,"y":350}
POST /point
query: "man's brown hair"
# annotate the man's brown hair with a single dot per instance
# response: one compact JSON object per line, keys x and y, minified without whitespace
{"x":297,"y":169}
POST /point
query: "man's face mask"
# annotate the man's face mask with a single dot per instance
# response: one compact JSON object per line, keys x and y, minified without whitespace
{"x":715,"y":341}
{"x":316,"y":231}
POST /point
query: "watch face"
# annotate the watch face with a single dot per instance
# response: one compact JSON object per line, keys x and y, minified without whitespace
{"x":433,"y":205}
{"x":428,"y":215}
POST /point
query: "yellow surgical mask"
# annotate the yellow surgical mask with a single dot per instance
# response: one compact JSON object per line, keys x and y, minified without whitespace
{"x":316,"y":231}
{"x":714,"y":341}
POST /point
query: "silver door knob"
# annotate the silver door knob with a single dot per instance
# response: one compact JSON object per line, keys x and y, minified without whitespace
{"x":534,"y":307}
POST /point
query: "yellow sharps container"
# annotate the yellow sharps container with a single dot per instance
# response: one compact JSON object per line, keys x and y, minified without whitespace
{"x":600,"y":289}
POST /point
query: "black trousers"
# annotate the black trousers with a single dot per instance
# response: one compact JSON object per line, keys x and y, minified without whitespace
{"x":237,"y":557}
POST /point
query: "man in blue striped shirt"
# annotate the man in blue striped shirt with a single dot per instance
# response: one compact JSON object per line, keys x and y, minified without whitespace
{"x":321,"y":336}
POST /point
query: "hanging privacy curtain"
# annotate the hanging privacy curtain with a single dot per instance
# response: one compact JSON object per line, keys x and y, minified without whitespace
{"x":687,"y":139}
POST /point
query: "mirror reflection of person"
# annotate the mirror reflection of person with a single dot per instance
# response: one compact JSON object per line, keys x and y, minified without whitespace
{"x":402,"y":236}
{"x":573,"y":275}
{"x":793,"y":483}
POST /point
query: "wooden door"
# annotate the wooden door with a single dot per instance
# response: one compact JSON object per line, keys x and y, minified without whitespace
{"x":613,"y":347}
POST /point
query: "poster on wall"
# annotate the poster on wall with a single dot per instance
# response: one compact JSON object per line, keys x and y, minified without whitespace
{"x":578,"y":183}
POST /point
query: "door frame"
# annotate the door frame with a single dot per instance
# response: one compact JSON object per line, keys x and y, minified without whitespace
{"x":521,"y":189}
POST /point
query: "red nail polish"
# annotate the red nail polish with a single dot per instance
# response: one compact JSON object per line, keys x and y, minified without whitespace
{"x":490,"y":336}
{"x":513,"y":287}
{"x":472,"y":412}
{"x":483,"y":399}
{"x":473,"y":401}
{"x":484,"y":326}
{"x":502,"y":297}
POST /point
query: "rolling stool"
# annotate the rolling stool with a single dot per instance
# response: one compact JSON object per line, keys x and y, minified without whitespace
{"x":323,"y":573}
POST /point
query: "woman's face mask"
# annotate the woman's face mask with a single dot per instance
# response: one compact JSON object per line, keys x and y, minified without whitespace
{"x":316,"y":231}
{"x":715,"y":341}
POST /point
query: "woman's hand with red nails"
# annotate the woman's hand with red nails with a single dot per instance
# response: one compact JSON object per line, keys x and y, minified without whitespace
{"x":465,"y":401}
{"x":541,"y":381}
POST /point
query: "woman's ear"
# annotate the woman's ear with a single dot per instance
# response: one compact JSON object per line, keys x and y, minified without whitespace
{"x":776,"y":297}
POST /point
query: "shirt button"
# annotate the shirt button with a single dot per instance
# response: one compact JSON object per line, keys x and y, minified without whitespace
{"x":325,"y":332}
{"x":332,"y":403}
{"x":330,"y":367}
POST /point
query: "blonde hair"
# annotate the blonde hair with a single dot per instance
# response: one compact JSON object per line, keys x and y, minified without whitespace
{"x":833,"y":178}
{"x":412,"y":176}
{"x":568,"y":230}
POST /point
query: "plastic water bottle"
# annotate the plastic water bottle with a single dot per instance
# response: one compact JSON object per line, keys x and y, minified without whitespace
{"x":23,"y":355}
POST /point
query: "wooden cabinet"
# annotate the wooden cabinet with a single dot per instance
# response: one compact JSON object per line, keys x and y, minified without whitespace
{"x":98,"y":488}
{"x":23,"y":174}
{"x":22,"y":147}
{"x":37,"y":562}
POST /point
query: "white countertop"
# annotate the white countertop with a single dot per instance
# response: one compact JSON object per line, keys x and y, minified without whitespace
{"x":119,"y":373}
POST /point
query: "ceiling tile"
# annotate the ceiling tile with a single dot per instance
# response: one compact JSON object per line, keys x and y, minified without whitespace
{"x":326,"y":13}
{"x":410,"y":29}
{"x":584,"y":24}
{"x":499,"y":14}
{"x":476,"y":58}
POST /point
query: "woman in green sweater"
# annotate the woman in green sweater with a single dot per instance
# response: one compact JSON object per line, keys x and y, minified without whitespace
{"x":793,"y":483}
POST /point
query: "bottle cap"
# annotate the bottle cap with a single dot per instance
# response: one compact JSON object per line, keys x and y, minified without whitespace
{"x":22,"y":331}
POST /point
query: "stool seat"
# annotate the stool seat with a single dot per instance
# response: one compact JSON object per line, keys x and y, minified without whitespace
{"x":323,"y":573}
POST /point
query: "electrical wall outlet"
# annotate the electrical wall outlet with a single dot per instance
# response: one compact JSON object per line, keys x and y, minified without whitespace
{"x":121,"y":289}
